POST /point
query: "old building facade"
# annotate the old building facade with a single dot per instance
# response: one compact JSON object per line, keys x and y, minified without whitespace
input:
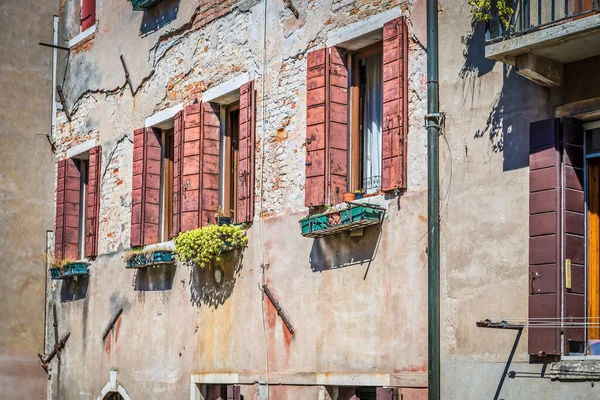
{"x":276,"y":110}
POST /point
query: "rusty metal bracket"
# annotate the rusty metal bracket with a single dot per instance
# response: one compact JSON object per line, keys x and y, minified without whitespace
{"x":488,"y":323}
{"x":46,"y":358}
{"x":290,"y":5}
{"x":127,"y":78}
{"x":63,"y":102}
{"x":280,"y":311}
{"x":111,"y":324}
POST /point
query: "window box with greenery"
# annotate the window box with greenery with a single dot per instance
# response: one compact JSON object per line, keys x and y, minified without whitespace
{"x":143,"y":5}
{"x":206,"y":245}
{"x":137,"y":258}
{"x":353,"y":216}
{"x":68,"y":269}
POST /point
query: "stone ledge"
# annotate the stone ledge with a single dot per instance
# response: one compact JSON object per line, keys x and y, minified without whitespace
{"x":588,"y":370}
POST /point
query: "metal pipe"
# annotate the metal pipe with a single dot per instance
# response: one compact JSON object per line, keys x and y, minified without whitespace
{"x":433,"y":203}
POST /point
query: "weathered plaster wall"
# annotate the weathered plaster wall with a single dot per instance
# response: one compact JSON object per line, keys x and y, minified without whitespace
{"x":26,"y":192}
{"x":485,"y":225}
{"x":355,"y":317}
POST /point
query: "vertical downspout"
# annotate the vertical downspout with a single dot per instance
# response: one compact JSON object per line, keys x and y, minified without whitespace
{"x":433,"y":120}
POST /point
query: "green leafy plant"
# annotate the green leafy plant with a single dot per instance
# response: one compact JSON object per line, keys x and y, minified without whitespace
{"x":56,"y":262}
{"x":482,"y":10}
{"x":205,"y":245}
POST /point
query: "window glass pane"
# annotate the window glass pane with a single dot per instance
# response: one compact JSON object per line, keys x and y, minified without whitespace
{"x":372,"y":115}
{"x":593,"y":141}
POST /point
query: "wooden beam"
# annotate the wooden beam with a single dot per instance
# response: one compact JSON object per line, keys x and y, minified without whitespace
{"x":292,"y":8}
{"x":583,"y":110}
{"x":540,"y":70}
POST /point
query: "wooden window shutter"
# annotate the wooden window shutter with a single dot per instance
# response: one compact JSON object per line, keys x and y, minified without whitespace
{"x":387,"y":394}
{"x":190,"y":169}
{"x":210,"y":157}
{"x":145,"y":208}
{"x":177,"y":171}
{"x":326,"y":127}
{"x":556,"y":205}
{"x":88,"y":14}
{"x":93,"y":202}
{"x":395,"y":104}
{"x":68,"y":189}
{"x":233,"y":392}
{"x":245,"y":182}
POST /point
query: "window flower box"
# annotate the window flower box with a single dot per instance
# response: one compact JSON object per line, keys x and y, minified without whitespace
{"x":149,"y":259}
{"x":314,"y":223}
{"x":143,"y":5}
{"x":70,"y":270}
{"x":354,"y":217}
{"x":360,"y":213}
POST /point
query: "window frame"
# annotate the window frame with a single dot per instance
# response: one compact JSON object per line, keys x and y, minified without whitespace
{"x":230,"y":168}
{"x":167,"y":161}
{"x":84,"y":171}
{"x":356,"y":115}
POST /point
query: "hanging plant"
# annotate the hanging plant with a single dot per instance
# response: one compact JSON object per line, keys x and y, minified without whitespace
{"x":205,"y":245}
{"x":482,"y":10}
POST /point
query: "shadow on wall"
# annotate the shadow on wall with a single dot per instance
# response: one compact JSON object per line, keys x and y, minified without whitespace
{"x":159,"y":16}
{"x":155,"y":278}
{"x":74,"y":289}
{"x":342,"y":250}
{"x":476,"y":64}
{"x":204,"y":288}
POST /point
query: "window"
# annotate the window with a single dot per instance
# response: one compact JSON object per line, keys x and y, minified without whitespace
{"x":223,"y":392}
{"x":83,"y":184}
{"x":230,"y":161}
{"x":366,"y":115}
{"x":166,"y":187}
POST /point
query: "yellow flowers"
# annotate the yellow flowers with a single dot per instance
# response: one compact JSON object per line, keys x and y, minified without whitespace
{"x":482,"y":10}
{"x":205,"y":245}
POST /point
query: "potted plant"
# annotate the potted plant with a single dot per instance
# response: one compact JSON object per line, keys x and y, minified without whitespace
{"x":138,"y":258}
{"x":222,"y":219}
{"x":205,"y":245}
{"x":66,"y":268}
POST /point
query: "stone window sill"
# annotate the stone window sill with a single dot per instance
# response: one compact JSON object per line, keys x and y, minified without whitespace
{"x":82,"y":36}
{"x":576,"y":368}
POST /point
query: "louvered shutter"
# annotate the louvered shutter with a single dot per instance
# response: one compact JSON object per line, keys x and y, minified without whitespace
{"x":556,"y":232}
{"x":338,"y":124}
{"x":93,"y":202}
{"x":233,"y":392}
{"x":316,"y":127}
{"x":88,"y":14}
{"x":210,"y":154}
{"x":387,"y":394}
{"x":245,"y":182}
{"x":177,"y":171}
{"x":573,"y":230}
{"x":190,"y":190}
{"x":68,"y":190}
{"x":145,"y":208}
{"x":395,"y":104}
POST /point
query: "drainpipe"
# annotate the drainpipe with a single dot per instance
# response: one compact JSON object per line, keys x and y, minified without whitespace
{"x":433,"y":122}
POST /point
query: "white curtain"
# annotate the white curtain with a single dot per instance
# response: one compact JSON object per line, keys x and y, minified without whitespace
{"x":373,"y":113}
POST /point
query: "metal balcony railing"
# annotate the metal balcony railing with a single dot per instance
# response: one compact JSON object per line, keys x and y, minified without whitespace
{"x":533,"y":14}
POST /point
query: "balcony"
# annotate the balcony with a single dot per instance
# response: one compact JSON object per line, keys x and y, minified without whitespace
{"x":545,"y":35}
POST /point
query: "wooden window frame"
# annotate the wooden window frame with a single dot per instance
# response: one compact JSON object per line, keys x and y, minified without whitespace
{"x":356,"y":115}
{"x":230,"y":156}
{"x":83,"y":187}
{"x":592,"y":240}
{"x":166,"y":184}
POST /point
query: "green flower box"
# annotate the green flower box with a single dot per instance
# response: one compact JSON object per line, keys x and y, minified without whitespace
{"x":312,"y":224}
{"x":360,"y":213}
{"x":70,"y":270}
{"x":143,"y":5}
{"x":143,"y":260}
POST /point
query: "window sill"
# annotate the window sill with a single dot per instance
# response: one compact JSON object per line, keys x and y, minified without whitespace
{"x":82,"y":36}
{"x":164,"y":245}
{"x":576,"y":368}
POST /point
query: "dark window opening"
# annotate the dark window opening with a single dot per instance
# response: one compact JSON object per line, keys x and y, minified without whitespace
{"x":230,"y":164}
{"x":168,"y":157}
{"x":83,"y":166}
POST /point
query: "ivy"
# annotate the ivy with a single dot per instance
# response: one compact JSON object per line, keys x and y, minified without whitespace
{"x":482,"y":10}
{"x":205,"y":245}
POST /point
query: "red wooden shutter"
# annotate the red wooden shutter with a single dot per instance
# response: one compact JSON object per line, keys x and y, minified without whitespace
{"x":210,"y":154}
{"x":233,"y":392}
{"x":88,"y":14}
{"x":387,"y":394}
{"x":177,"y":171}
{"x":316,"y":127}
{"x":68,"y":189}
{"x":338,"y":124}
{"x":93,"y":202}
{"x":556,"y":232}
{"x":245,"y":183}
{"x":573,"y":230}
{"x":190,"y":170}
{"x":145,"y":208}
{"x":395,"y":104}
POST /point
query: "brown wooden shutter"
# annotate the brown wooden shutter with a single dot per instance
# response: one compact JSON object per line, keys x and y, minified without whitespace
{"x":177,"y":171}
{"x":395,"y":104}
{"x":556,"y":232}
{"x":68,"y":190}
{"x":245,"y":182}
{"x":88,"y":14}
{"x":233,"y":392}
{"x":316,"y":127}
{"x":145,"y":208}
{"x":93,"y":202}
{"x":190,"y":191}
{"x":573,"y":230}
{"x":210,"y":154}
{"x":338,"y":124}
{"x":387,"y":394}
